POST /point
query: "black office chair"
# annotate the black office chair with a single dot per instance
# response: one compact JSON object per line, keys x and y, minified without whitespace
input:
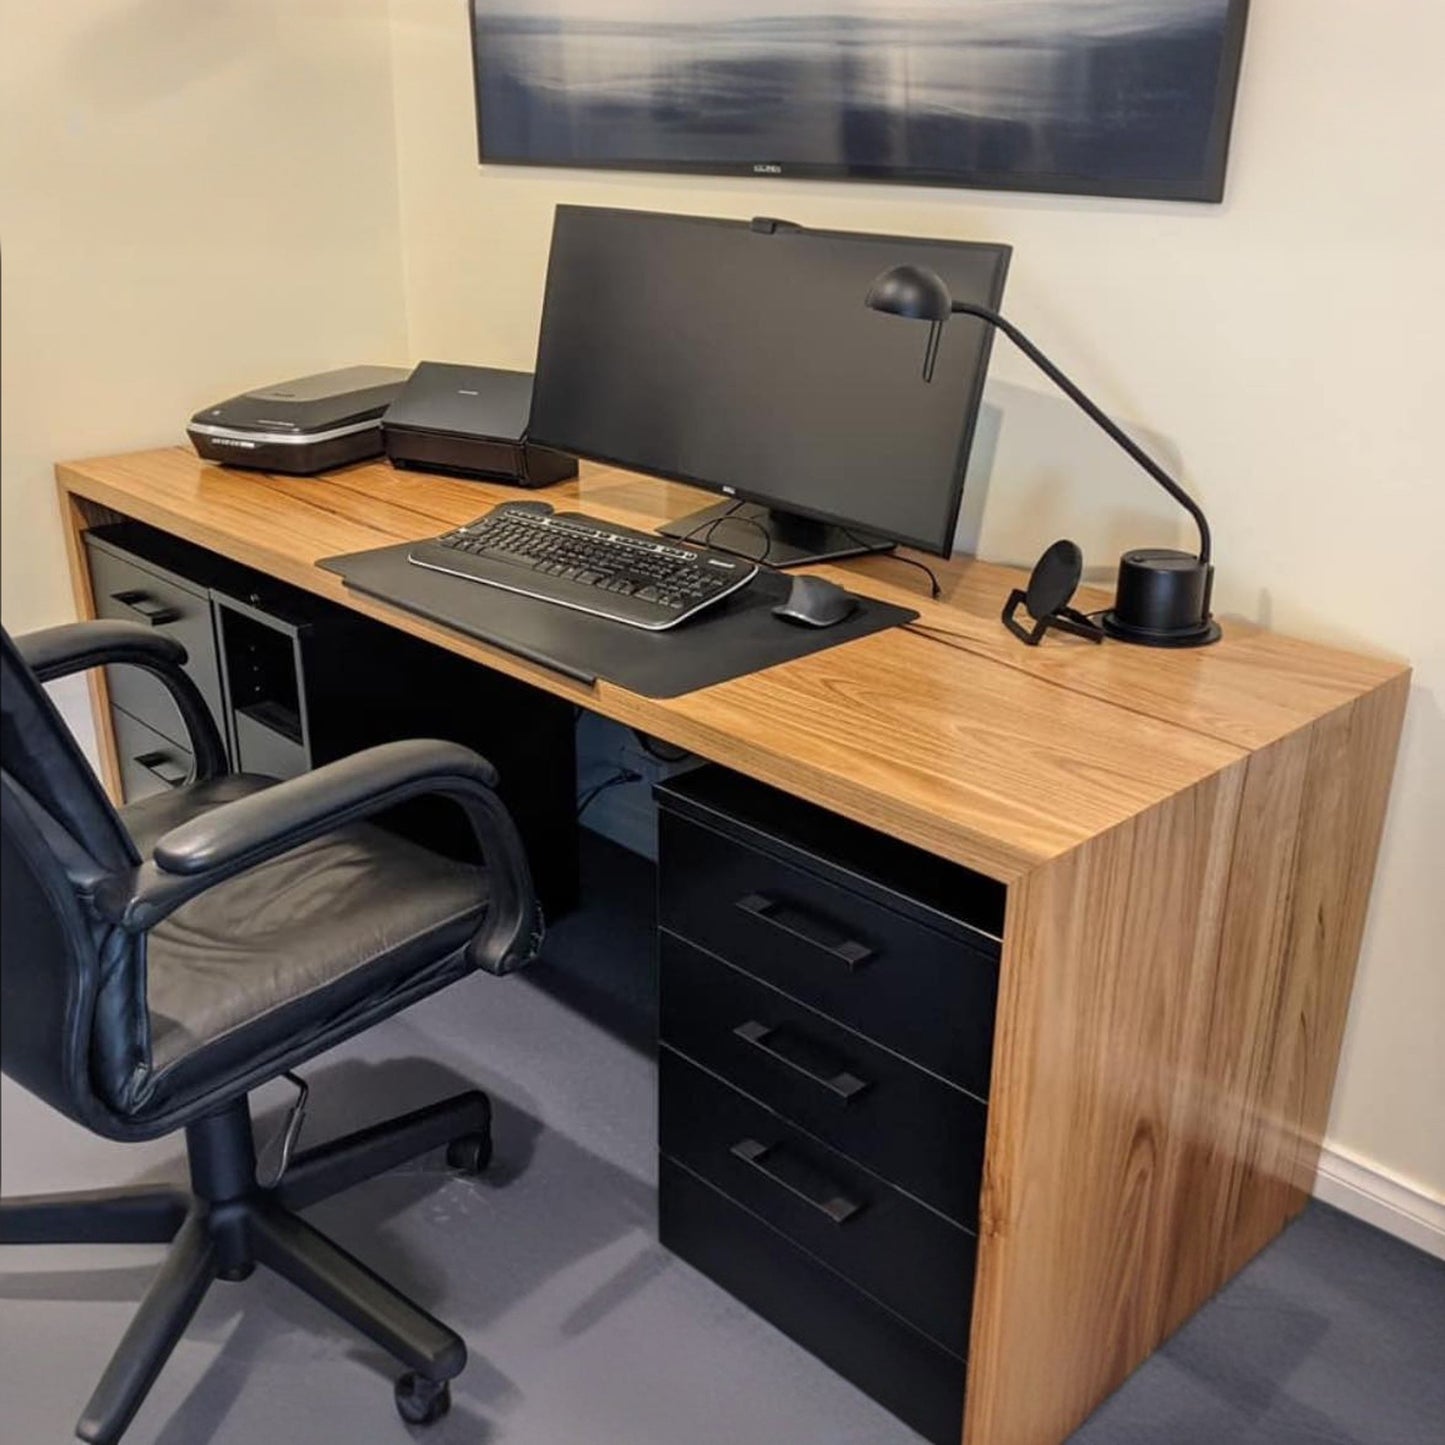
{"x":159,"y":962}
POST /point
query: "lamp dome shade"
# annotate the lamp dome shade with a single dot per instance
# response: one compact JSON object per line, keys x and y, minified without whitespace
{"x":911,"y":291}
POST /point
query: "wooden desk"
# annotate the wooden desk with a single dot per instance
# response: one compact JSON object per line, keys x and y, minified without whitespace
{"x":1188,"y":841}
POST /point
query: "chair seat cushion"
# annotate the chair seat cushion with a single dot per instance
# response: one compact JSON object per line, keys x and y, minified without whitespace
{"x":279,"y":952}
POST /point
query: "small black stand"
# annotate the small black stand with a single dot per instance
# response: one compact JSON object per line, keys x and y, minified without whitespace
{"x":1065,"y":619}
{"x":1052,"y":585}
{"x":781,"y":539}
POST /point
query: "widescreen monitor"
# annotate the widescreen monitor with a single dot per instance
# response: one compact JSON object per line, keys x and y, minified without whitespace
{"x":740,"y":356}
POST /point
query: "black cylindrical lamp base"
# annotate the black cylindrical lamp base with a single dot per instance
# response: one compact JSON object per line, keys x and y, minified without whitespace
{"x":1162,"y":600}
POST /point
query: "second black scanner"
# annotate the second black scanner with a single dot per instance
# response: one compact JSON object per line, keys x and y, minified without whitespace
{"x":815,"y":602}
{"x":470,"y":421}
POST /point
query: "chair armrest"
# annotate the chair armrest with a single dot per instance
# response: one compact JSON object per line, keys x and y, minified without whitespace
{"x":57,"y":652}
{"x":75,"y":646}
{"x":236,"y":836}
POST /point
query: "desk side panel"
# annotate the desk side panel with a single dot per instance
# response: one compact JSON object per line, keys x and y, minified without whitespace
{"x":1349,"y":764}
{"x":1172,"y":1005}
{"x":1104,"y":953}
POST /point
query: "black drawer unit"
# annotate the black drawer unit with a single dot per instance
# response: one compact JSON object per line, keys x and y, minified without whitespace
{"x":133,"y":588}
{"x":851,"y":1333}
{"x":827,"y":1015}
{"x":925,"y":991}
{"x":894,"y":1118}
{"x":910,"y":1259}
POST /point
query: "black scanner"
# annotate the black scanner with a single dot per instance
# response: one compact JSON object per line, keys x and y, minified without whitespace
{"x":303,"y":426}
{"x":471,"y":421}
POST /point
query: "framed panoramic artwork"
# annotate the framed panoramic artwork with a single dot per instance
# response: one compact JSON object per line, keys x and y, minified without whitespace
{"x":1094,"y":97}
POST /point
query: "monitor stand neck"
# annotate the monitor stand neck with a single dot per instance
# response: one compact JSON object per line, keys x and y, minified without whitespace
{"x":781,"y":539}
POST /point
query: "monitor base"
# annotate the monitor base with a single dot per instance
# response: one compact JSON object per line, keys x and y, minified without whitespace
{"x":781,"y":539}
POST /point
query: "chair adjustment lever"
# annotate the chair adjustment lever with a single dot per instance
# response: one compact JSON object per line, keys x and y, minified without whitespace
{"x":291,"y":1132}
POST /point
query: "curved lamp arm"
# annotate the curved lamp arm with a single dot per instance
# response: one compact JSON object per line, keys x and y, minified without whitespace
{"x":1092,"y":411}
{"x":919,"y":294}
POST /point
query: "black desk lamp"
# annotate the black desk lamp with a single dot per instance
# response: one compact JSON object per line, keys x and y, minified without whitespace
{"x":1163,"y":594}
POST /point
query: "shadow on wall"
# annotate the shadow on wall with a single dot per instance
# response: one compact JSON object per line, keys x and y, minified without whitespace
{"x":1041,"y":470}
{"x":978,"y":477}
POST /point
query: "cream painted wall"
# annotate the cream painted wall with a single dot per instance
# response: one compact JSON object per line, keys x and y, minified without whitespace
{"x":194,"y":198}
{"x":1283,"y":348}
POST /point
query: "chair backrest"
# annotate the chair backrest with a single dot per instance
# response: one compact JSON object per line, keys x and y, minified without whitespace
{"x":58,"y":835}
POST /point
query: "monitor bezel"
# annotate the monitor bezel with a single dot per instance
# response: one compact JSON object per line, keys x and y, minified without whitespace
{"x":943,"y":547}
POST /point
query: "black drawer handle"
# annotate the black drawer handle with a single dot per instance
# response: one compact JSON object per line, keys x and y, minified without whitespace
{"x":146,"y":607}
{"x":791,"y":920}
{"x":805,"y":1057}
{"x":164,"y":767}
{"x":774,"y":1163}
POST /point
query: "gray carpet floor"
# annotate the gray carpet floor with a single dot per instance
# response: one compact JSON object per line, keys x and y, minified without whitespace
{"x":582,"y":1330}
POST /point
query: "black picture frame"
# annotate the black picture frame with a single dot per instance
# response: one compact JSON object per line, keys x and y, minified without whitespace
{"x":1207,"y":185}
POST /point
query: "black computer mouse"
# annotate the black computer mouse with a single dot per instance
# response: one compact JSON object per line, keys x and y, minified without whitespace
{"x":815,"y":602}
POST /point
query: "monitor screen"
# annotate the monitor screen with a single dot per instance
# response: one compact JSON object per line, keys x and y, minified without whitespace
{"x":743,"y":359}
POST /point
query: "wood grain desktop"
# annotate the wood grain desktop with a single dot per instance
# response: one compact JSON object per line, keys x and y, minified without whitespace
{"x":1188,"y":840}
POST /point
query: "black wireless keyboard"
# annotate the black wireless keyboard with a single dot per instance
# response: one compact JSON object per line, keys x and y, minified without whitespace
{"x":580,"y":562}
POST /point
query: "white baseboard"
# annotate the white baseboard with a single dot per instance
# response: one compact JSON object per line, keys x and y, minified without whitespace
{"x":1399,"y":1206}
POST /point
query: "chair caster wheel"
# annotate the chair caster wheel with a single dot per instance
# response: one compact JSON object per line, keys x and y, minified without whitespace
{"x":420,"y":1401}
{"x":471,"y":1153}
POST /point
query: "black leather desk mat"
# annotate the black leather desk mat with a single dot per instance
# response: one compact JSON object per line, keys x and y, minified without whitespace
{"x":738,"y":636}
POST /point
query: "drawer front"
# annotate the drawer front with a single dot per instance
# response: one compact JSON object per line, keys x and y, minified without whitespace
{"x":130,"y":592}
{"x":149,"y":761}
{"x":912,"y":989}
{"x":911,"y":1260}
{"x":918,"y":1132}
{"x":850,"y":1333}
